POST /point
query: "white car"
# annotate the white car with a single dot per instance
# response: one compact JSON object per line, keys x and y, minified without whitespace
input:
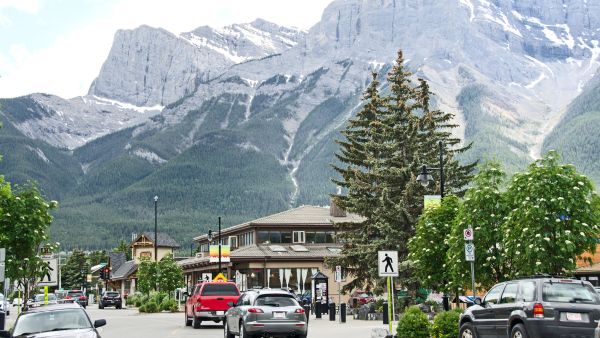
{"x":16,"y":302}
{"x":7,"y":310}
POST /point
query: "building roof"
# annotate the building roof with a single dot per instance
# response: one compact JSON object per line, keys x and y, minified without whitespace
{"x":304,"y":215}
{"x":125,"y":271}
{"x":164,"y":240}
{"x":116,"y":259}
{"x":589,"y":268}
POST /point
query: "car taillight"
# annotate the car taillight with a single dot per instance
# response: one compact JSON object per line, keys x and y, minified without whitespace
{"x":82,"y":298}
{"x":67,"y":297}
{"x":300,"y":310}
{"x":105,"y":297}
{"x":299,"y":324}
{"x":253,"y":310}
{"x":538,"y":310}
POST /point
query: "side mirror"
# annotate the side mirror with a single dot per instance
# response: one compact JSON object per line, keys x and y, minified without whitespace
{"x":99,"y":322}
{"x":4,"y":334}
{"x":231,"y":304}
{"x":478,"y":301}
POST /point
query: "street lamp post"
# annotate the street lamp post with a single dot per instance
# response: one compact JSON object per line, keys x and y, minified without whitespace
{"x":156,"y":228}
{"x":424,"y":177}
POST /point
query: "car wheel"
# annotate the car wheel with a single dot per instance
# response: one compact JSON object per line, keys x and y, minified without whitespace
{"x":243,"y":332}
{"x":196,"y":322}
{"x":188,"y":321}
{"x":519,"y":331}
{"x":226,"y":332}
{"x":466,"y":331}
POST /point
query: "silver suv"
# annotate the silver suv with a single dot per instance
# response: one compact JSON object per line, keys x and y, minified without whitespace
{"x":537,"y":306}
{"x":268,"y":313}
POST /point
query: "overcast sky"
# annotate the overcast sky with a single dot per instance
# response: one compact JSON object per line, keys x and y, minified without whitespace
{"x":58,"y":46}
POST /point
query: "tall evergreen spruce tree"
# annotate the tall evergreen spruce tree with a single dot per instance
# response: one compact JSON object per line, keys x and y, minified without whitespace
{"x":384,"y":148}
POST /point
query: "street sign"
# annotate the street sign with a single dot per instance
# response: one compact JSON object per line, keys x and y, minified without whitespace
{"x":468,"y":233}
{"x":207,"y":277}
{"x":220,"y":278}
{"x":338,"y":273}
{"x":388,"y":263}
{"x":2,"y":254}
{"x":470,"y":252}
{"x":1,"y":271}
{"x":51,"y":278}
{"x":46,"y":253}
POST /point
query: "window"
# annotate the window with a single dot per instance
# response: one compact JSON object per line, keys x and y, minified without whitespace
{"x":240,"y":300}
{"x":568,"y":292}
{"x":197,"y":291}
{"x":310,"y":237}
{"x":286,"y":237}
{"x":330,"y":237}
{"x":263,"y":237}
{"x":50,"y":320}
{"x":274,"y":237}
{"x":220,"y":290}
{"x":146,"y":253}
{"x":320,"y":237}
{"x":510,"y":293}
{"x":233,"y":242}
{"x":275,"y":300}
{"x":493,"y":295}
{"x":298,"y":236}
{"x":528,"y":291}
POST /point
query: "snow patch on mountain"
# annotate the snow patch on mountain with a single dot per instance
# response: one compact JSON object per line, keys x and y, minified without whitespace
{"x":121,"y":105}
{"x":39,"y":153}
{"x":148,"y":156}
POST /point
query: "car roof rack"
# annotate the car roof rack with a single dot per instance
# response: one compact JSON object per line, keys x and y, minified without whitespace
{"x":542,"y":275}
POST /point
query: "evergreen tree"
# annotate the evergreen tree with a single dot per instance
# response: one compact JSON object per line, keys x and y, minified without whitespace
{"x":74,"y":272}
{"x":384,"y":149}
{"x":123,"y":248}
{"x":97,"y":257}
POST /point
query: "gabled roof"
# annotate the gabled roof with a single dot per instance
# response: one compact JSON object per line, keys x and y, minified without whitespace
{"x":125,"y":271}
{"x":164,"y":240}
{"x":116,"y":260}
{"x":304,"y":215}
{"x":589,"y":268}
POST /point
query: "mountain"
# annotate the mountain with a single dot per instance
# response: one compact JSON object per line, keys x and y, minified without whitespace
{"x":240,"y":121}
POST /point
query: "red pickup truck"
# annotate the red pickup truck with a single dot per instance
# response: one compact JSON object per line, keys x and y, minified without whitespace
{"x":209,"y":301}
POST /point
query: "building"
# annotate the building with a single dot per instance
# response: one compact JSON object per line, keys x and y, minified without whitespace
{"x":123,"y":275}
{"x":281,"y":250}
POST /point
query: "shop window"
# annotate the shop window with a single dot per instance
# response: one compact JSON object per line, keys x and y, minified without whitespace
{"x":298,"y":236}
{"x":263,"y":237}
{"x":286,"y":237}
{"x":330,"y":237}
{"x":310,"y":237}
{"x":320,"y":237}
{"x":275,"y":237}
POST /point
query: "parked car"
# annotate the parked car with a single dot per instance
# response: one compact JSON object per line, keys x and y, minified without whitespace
{"x":39,"y":300}
{"x":62,"y":320}
{"x":362,"y":297}
{"x":2,"y":305}
{"x":61,"y":294}
{"x":306,"y":295}
{"x":269,"y":313}
{"x":209,"y":301}
{"x":111,"y":298}
{"x":538,"y":306}
{"x":76,"y":296}
{"x":17,"y":302}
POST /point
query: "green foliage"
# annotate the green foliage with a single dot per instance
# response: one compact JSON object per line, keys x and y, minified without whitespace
{"x":311,"y":79}
{"x":180,"y":101}
{"x":445,"y":324}
{"x":169,"y":305}
{"x":147,"y":272}
{"x":21,"y":109}
{"x":554,"y":219}
{"x":97,"y":257}
{"x":24,"y":222}
{"x":142,"y":308}
{"x":72,"y":276}
{"x":151,"y":307}
{"x":434,"y":305}
{"x":235,"y":79}
{"x":413,"y":324}
{"x":274,"y":81}
{"x":171,"y":275}
{"x":123,"y":248}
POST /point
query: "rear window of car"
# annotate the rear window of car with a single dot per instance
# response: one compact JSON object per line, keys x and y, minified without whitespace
{"x":220,"y":290}
{"x":569,"y":293}
{"x":365,"y":295}
{"x":112,"y":294}
{"x":75,"y":293}
{"x":275,"y":300}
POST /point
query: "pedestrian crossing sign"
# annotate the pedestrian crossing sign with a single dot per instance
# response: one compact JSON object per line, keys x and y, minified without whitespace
{"x":388,"y":263}
{"x":220,"y":278}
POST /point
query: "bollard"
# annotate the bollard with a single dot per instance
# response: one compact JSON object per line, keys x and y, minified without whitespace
{"x":318,"y":310}
{"x":343,"y":312}
{"x":307,"y":312}
{"x":445,"y":302}
{"x":386,"y":319}
{"x":2,"y":319}
{"x":354,"y":303}
{"x":332,"y":312}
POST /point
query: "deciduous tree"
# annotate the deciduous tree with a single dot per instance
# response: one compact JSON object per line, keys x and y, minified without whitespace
{"x":171,"y":275}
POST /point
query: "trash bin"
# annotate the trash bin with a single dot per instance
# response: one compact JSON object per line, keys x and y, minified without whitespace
{"x":343,"y":312}
{"x":332,"y":312}
{"x":386,"y":315}
{"x":318,"y":310}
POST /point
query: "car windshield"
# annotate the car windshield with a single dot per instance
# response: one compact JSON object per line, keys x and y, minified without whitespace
{"x":112,"y":294}
{"x":569,"y":293}
{"x":40,"y":298}
{"x":71,"y":319}
{"x":275,"y":300}
{"x":364,"y":295}
{"x":220,"y":290}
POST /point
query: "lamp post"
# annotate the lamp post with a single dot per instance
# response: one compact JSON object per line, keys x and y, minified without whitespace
{"x":156,"y":228}
{"x":424,"y":177}
{"x":191,"y":246}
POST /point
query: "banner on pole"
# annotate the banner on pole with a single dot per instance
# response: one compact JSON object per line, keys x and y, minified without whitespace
{"x":214,"y":254}
{"x":432,"y":201}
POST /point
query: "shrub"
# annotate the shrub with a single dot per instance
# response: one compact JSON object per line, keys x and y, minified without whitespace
{"x":167,"y":304}
{"x":413,"y":324}
{"x":445,"y":324}
{"x":145,"y":299}
{"x":434,"y":305}
{"x":138,"y":303}
{"x":151,"y":308}
{"x":142,"y":308}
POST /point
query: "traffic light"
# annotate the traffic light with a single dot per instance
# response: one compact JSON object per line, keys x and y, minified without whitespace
{"x":102,"y":274}
{"x":105,"y":274}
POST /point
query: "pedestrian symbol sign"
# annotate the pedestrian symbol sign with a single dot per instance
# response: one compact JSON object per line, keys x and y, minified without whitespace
{"x":220,"y":278}
{"x":388,"y":263}
{"x":469,"y":252}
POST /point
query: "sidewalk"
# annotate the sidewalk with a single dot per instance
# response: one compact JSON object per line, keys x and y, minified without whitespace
{"x":324,"y":328}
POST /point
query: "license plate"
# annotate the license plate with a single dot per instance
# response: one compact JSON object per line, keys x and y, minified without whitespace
{"x":220,"y":313}
{"x":573,"y":316}
{"x":278,"y":315}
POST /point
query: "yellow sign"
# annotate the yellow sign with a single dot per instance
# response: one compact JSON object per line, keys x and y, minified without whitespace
{"x":432,"y":201}
{"x":220,"y":278}
{"x":45,"y":295}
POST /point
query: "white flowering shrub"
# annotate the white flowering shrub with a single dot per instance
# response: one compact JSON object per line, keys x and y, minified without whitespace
{"x":558,"y":222}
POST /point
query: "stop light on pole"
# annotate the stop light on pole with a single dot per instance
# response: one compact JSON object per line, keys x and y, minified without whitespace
{"x":105,"y":274}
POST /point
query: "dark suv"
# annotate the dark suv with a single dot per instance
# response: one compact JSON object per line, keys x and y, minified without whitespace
{"x":110,"y":298}
{"x":76,"y":296}
{"x":539,"y":306}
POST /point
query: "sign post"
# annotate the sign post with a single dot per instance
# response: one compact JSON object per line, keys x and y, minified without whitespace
{"x":2,"y":254}
{"x":387,"y":261}
{"x":470,"y":255}
{"x":338,"y":278}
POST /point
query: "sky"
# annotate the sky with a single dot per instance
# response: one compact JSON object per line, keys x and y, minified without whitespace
{"x":58,"y":46}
